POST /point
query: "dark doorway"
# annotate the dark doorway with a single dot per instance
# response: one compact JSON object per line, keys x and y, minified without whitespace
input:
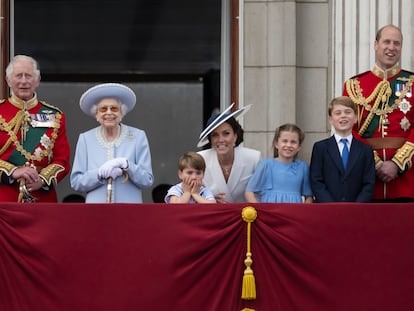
{"x":153,"y":37}
{"x":169,"y":47}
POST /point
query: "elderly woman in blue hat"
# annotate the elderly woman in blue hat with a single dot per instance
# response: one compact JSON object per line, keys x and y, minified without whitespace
{"x":228,"y":165}
{"x":112,"y":161}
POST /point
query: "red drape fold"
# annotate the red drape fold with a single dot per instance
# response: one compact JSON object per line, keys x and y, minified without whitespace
{"x":154,"y":257}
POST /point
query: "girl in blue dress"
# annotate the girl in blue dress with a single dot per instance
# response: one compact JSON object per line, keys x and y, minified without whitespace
{"x":283,"y":178}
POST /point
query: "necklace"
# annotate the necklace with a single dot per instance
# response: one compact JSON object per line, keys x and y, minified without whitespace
{"x":226,"y":169}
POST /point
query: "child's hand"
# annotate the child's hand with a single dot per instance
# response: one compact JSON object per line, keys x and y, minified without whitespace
{"x":195,"y":186}
{"x":187,"y":184}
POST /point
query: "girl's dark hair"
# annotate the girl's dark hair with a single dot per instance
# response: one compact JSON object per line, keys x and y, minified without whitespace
{"x":288,"y":127}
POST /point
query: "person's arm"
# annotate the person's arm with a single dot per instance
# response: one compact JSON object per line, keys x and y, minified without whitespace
{"x":317,"y":178}
{"x":199,"y":199}
{"x":185,"y":198}
{"x":195,"y":193}
{"x":186,"y":192}
{"x":306,"y":186}
{"x":84,"y":178}
{"x":250,"y":197}
{"x":139,"y":164}
{"x":368,"y":182}
{"x":402,"y":160}
{"x":59,"y":165}
{"x":258,"y":182}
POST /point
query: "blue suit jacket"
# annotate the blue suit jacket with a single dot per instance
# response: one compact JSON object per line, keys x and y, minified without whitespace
{"x":329,"y":181}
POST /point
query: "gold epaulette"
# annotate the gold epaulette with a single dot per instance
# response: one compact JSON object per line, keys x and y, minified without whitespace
{"x":2,"y":101}
{"x":7,"y":167}
{"x":403,"y":156}
{"x":50,"y":172}
{"x":51,"y":106}
{"x":359,"y":74}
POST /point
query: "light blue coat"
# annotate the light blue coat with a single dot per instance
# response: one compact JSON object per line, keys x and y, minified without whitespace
{"x":92,"y":151}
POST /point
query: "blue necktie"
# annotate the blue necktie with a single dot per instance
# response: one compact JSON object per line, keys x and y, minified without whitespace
{"x":345,"y":152}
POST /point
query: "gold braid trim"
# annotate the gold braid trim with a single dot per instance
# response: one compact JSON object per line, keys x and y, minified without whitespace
{"x":403,"y":156}
{"x":7,"y":167}
{"x":377,"y":158}
{"x":51,"y":106}
{"x":12,"y":128}
{"x":50,"y":172}
{"x":380,"y":94}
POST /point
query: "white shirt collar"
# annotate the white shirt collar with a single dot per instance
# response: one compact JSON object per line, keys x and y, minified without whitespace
{"x":338,"y":138}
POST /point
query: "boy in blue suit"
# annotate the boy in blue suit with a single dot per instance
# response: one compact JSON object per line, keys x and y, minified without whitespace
{"x":342,"y":168}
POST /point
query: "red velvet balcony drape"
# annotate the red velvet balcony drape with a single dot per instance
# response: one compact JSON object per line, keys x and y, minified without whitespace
{"x":191,"y":257}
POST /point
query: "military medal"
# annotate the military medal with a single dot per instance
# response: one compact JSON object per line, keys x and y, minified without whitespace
{"x":43,"y":120}
{"x":405,"y":124}
{"x":404,"y":87}
{"x":404,"y":106}
{"x":398,"y":88}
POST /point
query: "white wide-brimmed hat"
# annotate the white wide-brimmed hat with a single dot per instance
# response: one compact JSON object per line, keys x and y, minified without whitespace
{"x":216,"y":120}
{"x":107,"y":90}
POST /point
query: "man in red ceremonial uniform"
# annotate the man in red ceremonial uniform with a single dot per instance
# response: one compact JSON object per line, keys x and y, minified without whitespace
{"x":384,"y":97}
{"x":34,"y":149}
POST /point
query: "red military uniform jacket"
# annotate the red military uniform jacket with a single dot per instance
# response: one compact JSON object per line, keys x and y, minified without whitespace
{"x":385,"y":103}
{"x":35,"y":137}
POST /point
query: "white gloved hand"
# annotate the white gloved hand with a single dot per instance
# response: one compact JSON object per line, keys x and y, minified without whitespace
{"x":115,"y":173}
{"x":106,"y":168}
{"x":119,"y":162}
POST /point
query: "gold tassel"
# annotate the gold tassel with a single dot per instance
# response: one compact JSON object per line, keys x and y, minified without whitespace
{"x":247,"y":309}
{"x":249,"y":214}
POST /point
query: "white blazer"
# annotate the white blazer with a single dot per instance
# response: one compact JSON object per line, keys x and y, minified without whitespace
{"x":245,"y":162}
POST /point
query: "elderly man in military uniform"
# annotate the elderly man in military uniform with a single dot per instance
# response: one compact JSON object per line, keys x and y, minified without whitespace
{"x":34,"y":149}
{"x":384,"y":98}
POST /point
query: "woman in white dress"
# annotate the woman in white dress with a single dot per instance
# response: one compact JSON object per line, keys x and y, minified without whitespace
{"x":228,"y":165}
{"x":112,"y":161}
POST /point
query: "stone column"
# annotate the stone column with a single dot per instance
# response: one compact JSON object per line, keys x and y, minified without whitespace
{"x":296,"y":56}
{"x":269,"y":69}
{"x":354,"y":25}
